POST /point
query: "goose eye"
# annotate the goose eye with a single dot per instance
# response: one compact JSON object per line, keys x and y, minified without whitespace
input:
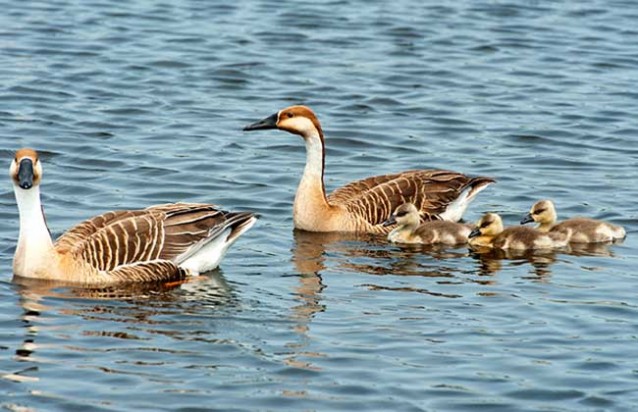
{"x":538,"y":212}
{"x":289,"y":115}
{"x":400,"y":214}
{"x":485,"y":224}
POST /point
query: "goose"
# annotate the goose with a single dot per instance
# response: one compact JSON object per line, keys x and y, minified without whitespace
{"x":362,"y":206}
{"x":409,"y":228}
{"x":582,"y":229}
{"x":489,"y":232}
{"x":160,"y":243}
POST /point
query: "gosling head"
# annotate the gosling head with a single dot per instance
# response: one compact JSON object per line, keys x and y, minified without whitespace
{"x":404,"y":215}
{"x":294,"y":119}
{"x":488,"y":225}
{"x":26,"y":169}
{"x":543,"y":212}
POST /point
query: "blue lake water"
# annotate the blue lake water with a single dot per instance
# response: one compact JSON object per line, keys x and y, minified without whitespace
{"x":143,"y":103}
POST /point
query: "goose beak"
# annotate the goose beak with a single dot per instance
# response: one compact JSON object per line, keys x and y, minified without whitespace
{"x":527,"y":219}
{"x":391,"y":220}
{"x":269,"y":122}
{"x":25,"y":174}
{"x":474,"y":233}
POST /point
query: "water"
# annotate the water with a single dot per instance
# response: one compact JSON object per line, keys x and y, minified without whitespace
{"x":137,"y":104}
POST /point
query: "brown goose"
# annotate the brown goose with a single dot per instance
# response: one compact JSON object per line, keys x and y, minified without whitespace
{"x":581,"y":229}
{"x":409,"y":229}
{"x":364,"y":205}
{"x":489,"y":232}
{"x":159,"y":243}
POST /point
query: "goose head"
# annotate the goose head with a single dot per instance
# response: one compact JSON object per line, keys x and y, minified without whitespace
{"x":542,"y":212}
{"x":294,"y":119}
{"x":490,"y":225}
{"x":26,"y":169}
{"x":404,"y":215}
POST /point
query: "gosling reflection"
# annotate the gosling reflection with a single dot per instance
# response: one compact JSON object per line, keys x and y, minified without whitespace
{"x":592,"y":249}
{"x":314,"y":253}
{"x":491,"y":260}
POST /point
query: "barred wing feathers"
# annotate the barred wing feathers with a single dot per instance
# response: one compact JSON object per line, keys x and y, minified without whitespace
{"x":431,"y":191}
{"x":162,"y":234}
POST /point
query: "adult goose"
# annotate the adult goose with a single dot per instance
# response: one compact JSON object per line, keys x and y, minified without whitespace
{"x":362,"y":206}
{"x":160,"y":243}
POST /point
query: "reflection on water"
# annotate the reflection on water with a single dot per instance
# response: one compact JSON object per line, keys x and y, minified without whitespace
{"x":369,"y":254}
{"x":128,"y":312}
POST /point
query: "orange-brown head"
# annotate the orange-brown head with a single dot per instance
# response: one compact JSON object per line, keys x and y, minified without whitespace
{"x":26,"y":169}
{"x":294,"y":119}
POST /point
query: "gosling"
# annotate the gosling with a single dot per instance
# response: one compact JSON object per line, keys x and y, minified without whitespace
{"x":489,"y":232}
{"x":410,"y":230}
{"x":580,"y":229}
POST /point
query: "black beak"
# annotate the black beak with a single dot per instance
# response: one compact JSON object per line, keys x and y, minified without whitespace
{"x":25,"y":174}
{"x":527,"y":219}
{"x":474,"y":233}
{"x":269,"y":122}
{"x":391,"y":220}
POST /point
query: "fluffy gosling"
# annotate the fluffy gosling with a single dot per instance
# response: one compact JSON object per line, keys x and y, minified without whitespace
{"x":489,"y":232}
{"x":410,"y":229}
{"x":578,"y":229}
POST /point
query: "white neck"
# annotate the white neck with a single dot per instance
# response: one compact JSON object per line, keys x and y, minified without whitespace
{"x":310,"y":200}
{"x":314,"y":159}
{"x":34,"y":242}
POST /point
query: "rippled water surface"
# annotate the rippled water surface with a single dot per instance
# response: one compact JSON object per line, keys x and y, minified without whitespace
{"x":137,"y":103}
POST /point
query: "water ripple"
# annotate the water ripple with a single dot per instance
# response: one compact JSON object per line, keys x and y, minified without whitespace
{"x":138,"y":103}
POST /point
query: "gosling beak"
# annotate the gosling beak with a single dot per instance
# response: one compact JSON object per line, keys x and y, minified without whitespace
{"x":269,"y":122}
{"x":391,"y":220}
{"x":527,"y":219}
{"x":25,"y":174}
{"x":474,"y":233}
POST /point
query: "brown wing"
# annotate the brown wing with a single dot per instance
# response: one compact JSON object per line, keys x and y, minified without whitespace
{"x":126,"y":237}
{"x":189,"y":225}
{"x":431,"y":191}
{"x":352,"y":190}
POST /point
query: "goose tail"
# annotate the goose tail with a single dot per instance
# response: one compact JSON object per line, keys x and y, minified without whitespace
{"x":455,"y":210}
{"x":209,"y":253}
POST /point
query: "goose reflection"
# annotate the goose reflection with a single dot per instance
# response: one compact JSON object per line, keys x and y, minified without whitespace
{"x":314,"y":253}
{"x":143,"y":314}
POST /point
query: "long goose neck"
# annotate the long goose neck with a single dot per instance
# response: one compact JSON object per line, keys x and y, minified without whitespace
{"x":311,"y":186}
{"x":34,"y":240}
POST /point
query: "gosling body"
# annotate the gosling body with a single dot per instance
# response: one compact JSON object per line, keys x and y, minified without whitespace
{"x":409,"y":229}
{"x":578,"y":229}
{"x":160,"y":243}
{"x":489,"y":232}
{"x":362,"y":206}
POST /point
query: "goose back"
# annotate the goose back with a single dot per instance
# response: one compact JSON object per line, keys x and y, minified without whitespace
{"x":162,"y":232}
{"x":431,"y":191}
